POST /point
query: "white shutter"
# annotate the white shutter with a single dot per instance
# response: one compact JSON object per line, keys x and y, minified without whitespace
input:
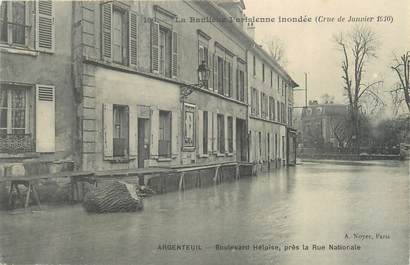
{"x":45,"y":26}
{"x":174,"y":134}
{"x":155,"y":47}
{"x":133,"y":31}
{"x":226,"y":133}
{"x":154,"y":133}
{"x":200,"y":131}
{"x":234,"y":135}
{"x":215,"y":132}
{"x":210,"y":137}
{"x":174,"y":68}
{"x":215,"y":75}
{"x":45,"y":119}
{"x":133,"y":131}
{"x":106,"y":31}
{"x":108,"y":130}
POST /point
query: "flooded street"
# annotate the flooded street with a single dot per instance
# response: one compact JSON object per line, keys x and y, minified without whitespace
{"x":314,"y":203}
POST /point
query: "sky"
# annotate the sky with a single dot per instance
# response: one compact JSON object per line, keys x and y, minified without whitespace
{"x":310,"y":48}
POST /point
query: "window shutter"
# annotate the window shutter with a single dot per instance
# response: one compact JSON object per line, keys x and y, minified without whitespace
{"x":225,"y":79}
{"x":237,"y":84}
{"x":108,"y":130}
{"x":200,"y":131}
{"x":210,"y":130}
{"x":215,"y":131}
{"x":133,"y":30}
{"x":45,"y":119}
{"x":234,"y":135}
{"x":174,"y":54}
{"x":155,"y":133}
{"x":155,"y":47}
{"x":226,"y":133}
{"x":215,"y":75}
{"x":133,"y":131}
{"x":45,"y":27}
{"x":231,"y":80}
{"x":106,"y":31}
{"x":174,"y":134}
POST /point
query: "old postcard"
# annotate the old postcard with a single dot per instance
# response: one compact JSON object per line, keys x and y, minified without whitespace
{"x":205,"y":132}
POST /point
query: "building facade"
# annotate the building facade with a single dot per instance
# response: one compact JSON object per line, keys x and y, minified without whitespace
{"x":270,"y":110}
{"x":37,"y":116}
{"x":324,"y":126}
{"x":114,"y":85}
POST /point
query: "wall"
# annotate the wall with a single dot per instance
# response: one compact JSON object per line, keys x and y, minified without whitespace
{"x":33,"y":67}
{"x":257,"y":124}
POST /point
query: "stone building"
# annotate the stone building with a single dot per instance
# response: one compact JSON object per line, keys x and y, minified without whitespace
{"x":270,"y":109}
{"x":37,"y":114}
{"x":324,"y":126}
{"x":114,"y":85}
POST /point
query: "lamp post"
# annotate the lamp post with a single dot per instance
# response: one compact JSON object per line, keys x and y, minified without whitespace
{"x":203,"y":77}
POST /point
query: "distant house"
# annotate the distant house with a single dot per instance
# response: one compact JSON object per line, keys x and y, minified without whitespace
{"x":324,"y":125}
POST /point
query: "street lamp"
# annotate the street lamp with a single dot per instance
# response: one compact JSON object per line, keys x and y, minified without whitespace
{"x":203,"y":77}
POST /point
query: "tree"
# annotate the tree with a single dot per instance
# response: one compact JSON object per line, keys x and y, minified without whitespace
{"x":358,"y":47}
{"x":326,"y":99}
{"x":276,"y":49}
{"x":402,"y":68}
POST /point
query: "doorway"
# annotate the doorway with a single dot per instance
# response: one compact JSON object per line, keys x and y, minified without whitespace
{"x":143,"y":141}
{"x":241,"y":143}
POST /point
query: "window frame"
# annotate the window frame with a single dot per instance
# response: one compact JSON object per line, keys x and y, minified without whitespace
{"x":10,"y":136}
{"x":27,"y":28}
{"x":220,"y":124}
{"x":160,"y":122}
{"x":124,"y":125}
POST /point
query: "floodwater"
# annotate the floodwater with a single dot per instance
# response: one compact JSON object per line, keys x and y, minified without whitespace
{"x":314,"y":203}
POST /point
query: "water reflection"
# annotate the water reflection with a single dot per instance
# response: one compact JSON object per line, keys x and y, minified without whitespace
{"x":312,"y":203}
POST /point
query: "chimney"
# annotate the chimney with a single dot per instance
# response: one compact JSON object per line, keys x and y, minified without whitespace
{"x":251,"y":30}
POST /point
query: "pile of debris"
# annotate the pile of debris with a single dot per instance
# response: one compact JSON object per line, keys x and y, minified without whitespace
{"x":116,"y":196}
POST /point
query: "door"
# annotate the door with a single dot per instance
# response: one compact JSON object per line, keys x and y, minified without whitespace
{"x":143,"y":141}
{"x":241,"y":148}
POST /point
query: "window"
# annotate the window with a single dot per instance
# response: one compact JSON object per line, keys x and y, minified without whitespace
{"x":221,"y":75}
{"x":254,"y":102}
{"x":205,"y":133}
{"x":120,"y":133}
{"x":13,"y":28}
{"x":16,"y":134}
{"x":229,"y":77}
{"x":271,"y":108}
{"x":120,"y":36}
{"x":165,"y":52}
{"x":263,"y":113}
{"x":263,"y":72}
{"x":254,"y":65}
{"x":283,"y":113}
{"x":279,"y":113}
{"x":240,"y":85}
{"x":260,"y":145}
{"x":221,"y":134}
{"x":290,"y":121}
{"x":203,"y":57}
{"x":164,"y":139}
{"x":230,"y":134}
{"x":271,"y":78}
